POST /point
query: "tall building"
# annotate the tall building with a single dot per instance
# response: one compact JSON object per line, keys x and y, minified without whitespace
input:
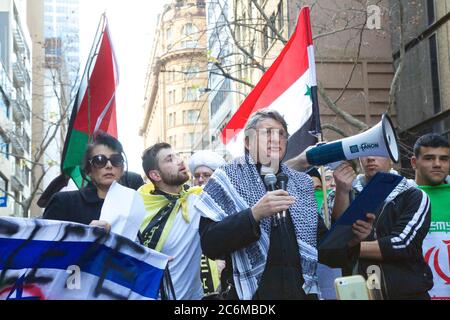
{"x":15,"y":106}
{"x":423,"y":95}
{"x":61,"y":31}
{"x":56,"y":63}
{"x":345,"y":47}
{"x":175,"y":111}
{"x":222,"y":94}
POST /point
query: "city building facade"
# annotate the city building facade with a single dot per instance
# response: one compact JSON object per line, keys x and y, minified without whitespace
{"x":16,"y":108}
{"x":175,"y":111}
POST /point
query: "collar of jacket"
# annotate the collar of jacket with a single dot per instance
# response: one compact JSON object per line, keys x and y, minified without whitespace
{"x":89,"y":194}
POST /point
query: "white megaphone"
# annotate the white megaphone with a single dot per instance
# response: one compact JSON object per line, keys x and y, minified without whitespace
{"x":380,"y":141}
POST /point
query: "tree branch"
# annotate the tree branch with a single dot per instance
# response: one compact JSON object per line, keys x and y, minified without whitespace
{"x":343,"y":114}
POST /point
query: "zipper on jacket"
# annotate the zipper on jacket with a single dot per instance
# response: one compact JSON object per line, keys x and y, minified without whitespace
{"x":383,"y":279}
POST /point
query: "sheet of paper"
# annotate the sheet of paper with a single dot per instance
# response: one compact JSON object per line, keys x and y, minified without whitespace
{"x":124,"y":210}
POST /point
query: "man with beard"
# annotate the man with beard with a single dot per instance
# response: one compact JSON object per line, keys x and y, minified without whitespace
{"x":171,"y":226}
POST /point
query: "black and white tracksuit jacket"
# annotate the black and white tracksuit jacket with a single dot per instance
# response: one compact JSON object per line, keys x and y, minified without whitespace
{"x":400,"y":228}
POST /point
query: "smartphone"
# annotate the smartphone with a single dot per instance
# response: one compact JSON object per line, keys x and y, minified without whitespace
{"x":351,"y":288}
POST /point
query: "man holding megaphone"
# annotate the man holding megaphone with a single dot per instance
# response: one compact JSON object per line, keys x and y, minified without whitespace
{"x":395,"y":245}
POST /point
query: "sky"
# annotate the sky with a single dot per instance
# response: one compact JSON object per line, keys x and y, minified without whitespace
{"x":132,"y":24}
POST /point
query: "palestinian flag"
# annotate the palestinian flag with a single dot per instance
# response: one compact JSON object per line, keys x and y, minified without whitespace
{"x":288,"y":86}
{"x":95,"y":104}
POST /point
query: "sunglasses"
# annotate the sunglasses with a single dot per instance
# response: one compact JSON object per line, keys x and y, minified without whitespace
{"x":99,"y":161}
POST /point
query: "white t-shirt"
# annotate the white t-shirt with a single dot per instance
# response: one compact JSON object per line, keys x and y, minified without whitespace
{"x":183,"y":244}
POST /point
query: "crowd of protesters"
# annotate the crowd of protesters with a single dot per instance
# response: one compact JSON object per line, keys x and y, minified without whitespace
{"x":260,"y":240}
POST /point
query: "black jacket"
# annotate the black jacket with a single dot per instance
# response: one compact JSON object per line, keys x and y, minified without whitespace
{"x":400,"y":228}
{"x":80,"y":206}
{"x":220,"y":239}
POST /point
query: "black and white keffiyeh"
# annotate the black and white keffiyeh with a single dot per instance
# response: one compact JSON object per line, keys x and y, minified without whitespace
{"x":237,"y":186}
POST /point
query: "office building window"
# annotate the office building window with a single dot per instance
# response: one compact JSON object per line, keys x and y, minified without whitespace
{"x":4,"y":107}
{"x":191,"y":71}
{"x":4,"y":148}
{"x":189,"y":29}
{"x":435,"y":74}
{"x":172,"y":97}
{"x":190,"y":94}
{"x":191,"y":116}
{"x":172,"y":121}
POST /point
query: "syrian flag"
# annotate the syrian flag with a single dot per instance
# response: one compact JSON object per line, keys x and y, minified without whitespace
{"x":95,"y":104}
{"x":289,"y":87}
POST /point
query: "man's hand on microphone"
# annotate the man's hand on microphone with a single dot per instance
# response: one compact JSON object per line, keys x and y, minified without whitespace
{"x":272,"y":203}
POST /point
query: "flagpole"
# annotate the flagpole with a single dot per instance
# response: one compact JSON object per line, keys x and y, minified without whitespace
{"x":324,"y":189}
{"x":84,"y":79}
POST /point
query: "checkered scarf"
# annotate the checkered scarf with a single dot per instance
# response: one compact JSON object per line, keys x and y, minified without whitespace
{"x":237,"y":186}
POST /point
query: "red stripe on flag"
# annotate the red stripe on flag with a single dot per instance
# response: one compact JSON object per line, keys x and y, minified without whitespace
{"x":289,"y":66}
{"x":102,"y":85}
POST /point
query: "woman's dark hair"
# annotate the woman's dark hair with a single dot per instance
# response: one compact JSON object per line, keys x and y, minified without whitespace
{"x":131,"y":180}
{"x":104,"y":139}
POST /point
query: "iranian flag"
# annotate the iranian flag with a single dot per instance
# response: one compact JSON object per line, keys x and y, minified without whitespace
{"x":95,"y":104}
{"x":288,"y":86}
{"x":436,"y":245}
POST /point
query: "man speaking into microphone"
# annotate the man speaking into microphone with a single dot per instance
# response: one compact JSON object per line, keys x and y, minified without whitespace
{"x":267,"y":235}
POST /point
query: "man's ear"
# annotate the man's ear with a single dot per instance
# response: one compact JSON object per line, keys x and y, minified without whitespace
{"x":154,"y":175}
{"x":414,"y":162}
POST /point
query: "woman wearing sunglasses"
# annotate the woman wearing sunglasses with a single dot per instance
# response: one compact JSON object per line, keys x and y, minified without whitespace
{"x":103,"y":163}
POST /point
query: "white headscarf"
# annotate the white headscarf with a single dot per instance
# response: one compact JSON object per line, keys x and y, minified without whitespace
{"x":205,"y":158}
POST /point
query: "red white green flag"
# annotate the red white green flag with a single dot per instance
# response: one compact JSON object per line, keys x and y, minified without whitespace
{"x":94,"y":108}
{"x":288,"y":86}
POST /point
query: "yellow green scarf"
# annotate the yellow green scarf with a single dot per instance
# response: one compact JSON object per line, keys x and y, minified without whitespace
{"x":154,"y":203}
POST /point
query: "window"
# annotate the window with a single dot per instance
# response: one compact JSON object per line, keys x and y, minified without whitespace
{"x":190,"y":139}
{"x":220,"y":96}
{"x":191,"y":72}
{"x":265,"y":35}
{"x":4,"y":107}
{"x":189,"y":29}
{"x":172,"y":97}
{"x":190,"y":94}
{"x":191,"y":116}
{"x":189,"y":44}
{"x":172,"y":120}
{"x":4,"y":148}
{"x":430,"y":11}
{"x":171,"y":74}
{"x":3,"y":191}
{"x":169,"y":37}
{"x":434,"y":61}
{"x":280,"y":16}
{"x":272,"y":33}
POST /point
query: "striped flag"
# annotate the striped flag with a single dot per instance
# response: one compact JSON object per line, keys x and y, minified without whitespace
{"x":288,"y":86}
{"x":95,"y":104}
{"x":54,"y":260}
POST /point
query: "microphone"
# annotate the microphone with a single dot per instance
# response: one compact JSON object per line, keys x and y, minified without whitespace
{"x":270,"y":180}
{"x":282,"y":184}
